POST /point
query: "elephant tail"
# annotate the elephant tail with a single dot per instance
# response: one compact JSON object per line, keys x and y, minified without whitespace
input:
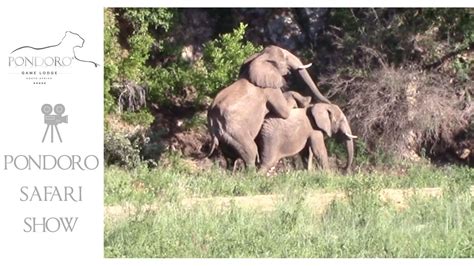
{"x":214,"y":145}
{"x":212,"y":128}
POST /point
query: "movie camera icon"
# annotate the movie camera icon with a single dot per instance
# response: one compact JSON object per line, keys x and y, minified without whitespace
{"x":52,"y":121}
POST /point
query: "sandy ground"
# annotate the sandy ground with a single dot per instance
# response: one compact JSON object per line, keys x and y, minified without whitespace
{"x":318,"y":201}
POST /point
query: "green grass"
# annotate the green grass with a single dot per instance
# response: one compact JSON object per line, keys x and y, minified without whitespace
{"x":181,"y":179}
{"x":361,"y":226}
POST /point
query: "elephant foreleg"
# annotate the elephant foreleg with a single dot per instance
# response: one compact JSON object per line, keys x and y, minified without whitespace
{"x":267,"y":164}
{"x":297,"y":99}
{"x":269,"y":158}
{"x":237,"y":165}
{"x":278,"y":104}
{"x":319,"y":149}
{"x":310,"y":159}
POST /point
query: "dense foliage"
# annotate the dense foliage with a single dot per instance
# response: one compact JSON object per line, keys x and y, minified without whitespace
{"x":218,"y":65}
{"x":398,"y":37}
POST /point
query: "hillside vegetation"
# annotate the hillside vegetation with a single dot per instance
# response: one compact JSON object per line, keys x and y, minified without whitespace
{"x":403,"y":76}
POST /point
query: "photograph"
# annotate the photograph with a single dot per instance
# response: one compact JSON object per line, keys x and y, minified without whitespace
{"x":288,"y":132}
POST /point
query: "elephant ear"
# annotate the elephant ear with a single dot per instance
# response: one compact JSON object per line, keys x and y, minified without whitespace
{"x":266,"y":74}
{"x":336,"y":114}
{"x":244,"y":68}
{"x":321,"y":115}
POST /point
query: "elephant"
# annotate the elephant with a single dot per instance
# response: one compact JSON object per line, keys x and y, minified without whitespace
{"x":237,"y":112}
{"x":296,"y":100}
{"x":304,"y":128}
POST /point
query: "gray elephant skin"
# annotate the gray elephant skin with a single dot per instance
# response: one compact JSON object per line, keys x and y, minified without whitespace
{"x":303,"y":129}
{"x":236,"y":115}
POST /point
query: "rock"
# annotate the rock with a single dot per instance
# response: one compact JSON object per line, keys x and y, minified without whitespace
{"x":191,"y":53}
{"x":195,"y":27}
{"x":464,"y":153}
{"x":283,"y":30}
{"x":277,"y":26}
{"x":291,"y":29}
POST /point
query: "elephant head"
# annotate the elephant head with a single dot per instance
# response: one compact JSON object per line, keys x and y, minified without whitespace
{"x":330,"y":119}
{"x":267,"y":68}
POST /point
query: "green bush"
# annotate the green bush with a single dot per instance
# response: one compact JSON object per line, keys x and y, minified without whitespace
{"x":131,"y":63}
{"x":112,"y":58}
{"x":222,"y":59}
{"x":218,"y":67}
{"x":119,"y":150}
{"x":142,"y":118}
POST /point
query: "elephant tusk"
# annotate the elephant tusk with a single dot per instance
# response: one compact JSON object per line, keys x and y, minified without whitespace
{"x":350,"y":136}
{"x":304,"y":66}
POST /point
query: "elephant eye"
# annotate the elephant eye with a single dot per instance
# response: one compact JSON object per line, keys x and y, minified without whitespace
{"x":273,"y":63}
{"x":280,"y":65}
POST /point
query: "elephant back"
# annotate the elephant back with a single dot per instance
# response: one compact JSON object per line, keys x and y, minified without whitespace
{"x":297,"y":121}
{"x":288,"y":136}
{"x":242,"y":106}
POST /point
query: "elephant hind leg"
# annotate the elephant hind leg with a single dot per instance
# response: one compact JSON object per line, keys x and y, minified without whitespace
{"x":245,"y":147}
{"x":249,"y":152}
{"x":319,"y":148}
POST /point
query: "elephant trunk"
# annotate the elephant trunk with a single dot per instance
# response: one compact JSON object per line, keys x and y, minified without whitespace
{"x":349,"y":144}
{"x":296,"y":64}
{"x":307,"y":79}
{"x":350,"y":154}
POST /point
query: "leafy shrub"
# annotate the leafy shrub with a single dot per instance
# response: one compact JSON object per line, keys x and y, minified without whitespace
{"x":222,"y":59}
{"x":218,"y":67}
{"x":130,"y":64}
{"x":142,"y":118}
{"x":112,"y":56}
{"x":119,"y":150}
{"x":141,"y":40}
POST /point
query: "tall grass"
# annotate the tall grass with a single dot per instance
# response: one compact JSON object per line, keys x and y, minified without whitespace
{"x":144,"y":185}
{"x":360,"y":227}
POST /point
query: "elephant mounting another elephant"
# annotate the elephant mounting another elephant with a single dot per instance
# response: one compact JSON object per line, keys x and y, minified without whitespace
{"x":237,"y":113}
